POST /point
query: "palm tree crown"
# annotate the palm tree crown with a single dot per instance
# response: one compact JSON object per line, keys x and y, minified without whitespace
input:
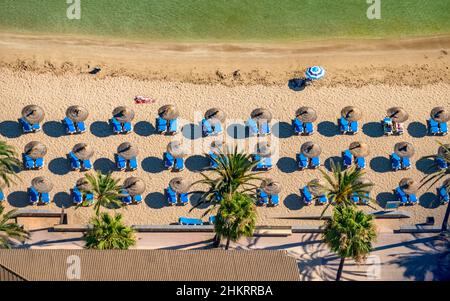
{"x":109,"y":232}
{"x":106,"y":190}
{"x":9,"y":232}
{"x":9,"y":164}
{"x":236,"y":217}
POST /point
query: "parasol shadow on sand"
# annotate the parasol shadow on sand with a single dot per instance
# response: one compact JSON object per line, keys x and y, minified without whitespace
{"x":54,"y":129}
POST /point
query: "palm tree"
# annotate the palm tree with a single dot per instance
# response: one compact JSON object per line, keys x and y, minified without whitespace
{"x":9,"y":232}
{"x":9,"y":164}
{"x":106,"y":190}
{"x":109,"y":232}
{"x":342,"y":185}
{"x":350,"y":234}
{"x":236,"y":217}
{"x":437,"y":176}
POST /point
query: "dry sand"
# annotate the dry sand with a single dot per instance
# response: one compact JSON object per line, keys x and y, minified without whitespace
{"x":100,"y":95}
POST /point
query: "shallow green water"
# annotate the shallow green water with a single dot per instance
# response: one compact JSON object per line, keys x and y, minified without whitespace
{"x":228,"y":20}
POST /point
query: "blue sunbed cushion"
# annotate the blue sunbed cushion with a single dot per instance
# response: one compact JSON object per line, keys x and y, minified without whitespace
{"x":354,"y":126}
{"x":28,"y":162}
{"x":443,"y":194}
{"x":323,"y":199}
{"x":217,"y":128}
{"x":127,"y":127}
{"x":137,"y":198}
{"x":26,"y":127}
{"x":412,"y":198}
{"x":2,"y":196}
{"x":343,"y":124}
{"x":45,"y":198}
{"x":263,"y":197}
{"x":69,"y":125}
{"x":443,"y":127}
{"x":74,"y":162}
{"x":252,"y":126}
{"x":302,"y":161}
{"x":307,"y":196}
{"x":33,"y":195}
{"x":275,"y":199}
{"x":212,"y":219}
{"x":395,"y":161}
{"x":121,"y":163}
{"x":171,"y":196}
{"x":184,"y":198}
{"x":347,"y":158}
{"x":117,"y":127}
{"x":297,"y":126}
{"x":190,"y":221}
{"x":361,"y":162}
{"x":173,"y":126}
{"x":406,"y":163}
{"x":161,"y":124}
{"x":77,"y":196}
{"x":133,"y":163}
{"x":355,"y":198}
{"x":441,"y":163}
{"x":179,"y":163}
{"x":265,"y":128}
{"x":206,"y":127}
{"x":309,"y":128}
{"x":81,"y":127}
{"x":315,"y":162}
{"x":87,"y":165}
{"x":168,"y":159}
{"x":433,"y":126}
{"x":39,"y":163}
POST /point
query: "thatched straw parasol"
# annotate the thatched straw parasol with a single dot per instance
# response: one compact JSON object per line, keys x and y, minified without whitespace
{"x":351,"y":113}
{"x":127,"y":151}
{"x":397,"y":114}
{"x":215,"y":114}
{"x":35,"y":149}
{"x":440,"y":114}
{"x":33,"y":114}
{"x":310,"y":149}
{"x":404,"y":149}
{"x":264,"y":149}
{"x":180,"y":185}
{"x":270,"y":186}
{"x":83,"y":151}
{"x":176,"y":149}
{"x":261,"y":114}
{"x":77,"y":113}
{"x":316,"y":187}
{"x":123,"y":114}
{"x":359,"y":149}
{"x":306,"y":114}
{"x":168,"y":112}
{"x":42,"y":184}
{"x":408,"y":185}
{"x":134,"y":185}
{"x":444,"y":150}
{"x":83,"y":184}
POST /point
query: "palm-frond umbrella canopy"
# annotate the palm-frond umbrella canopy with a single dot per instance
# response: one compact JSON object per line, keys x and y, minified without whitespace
{"x":42,"y":184}
{"x":316,"y":187}
{"x":351,"y":113}
{"x":306,"y":114}
{"x":123,"y":114}
{"x":180,"y":185}
{"x":77,"y":113}
{"x":315,"y":72}
{"x":168,"y":112}
{"x":365,"y":181}
{"x":134,"y":185}
{"x":261,"y":114}
{"x":440,"y":114}
{"x":409,"y":185}
{"x":176,"y":149}
{"x":264,"y":149}
{"x":33,"y":114}
{"x":271,"y":186}
{"x":310,"y":149}
{"x":35,"y":149}
{"x":359,"y":149}
{"x":444,"y":150}
{"x":127,"y":151}
{"x":397,"y":114}
{"x":83,"y":151}
{"x":215,"y":114}
{"x":404,"y":149}
{"x":83,"y":184}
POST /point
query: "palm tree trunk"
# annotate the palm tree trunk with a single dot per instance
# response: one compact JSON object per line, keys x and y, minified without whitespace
{"x":341,"y":267}
{"x":216,"y":241}
{"x":228,"y":244}
{"x":445,"y":221}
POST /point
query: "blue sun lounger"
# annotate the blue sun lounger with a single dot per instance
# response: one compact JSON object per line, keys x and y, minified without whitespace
{"x":39,"y":163}
{"x":121,"y":163}
{"x":441,"y":163}
{"x":347,"y":158}
{"x":217,"y":128}
{"x":171,"y":196}
{"x":179,"y":164}
{"x":2,"y":196}
{"x":395,"y":162}
{"x":388,"y":128}
{"x":315,"y":162}
{"x":274,"y":200}
{"x":184,"y":199}
{"x":81,"y":127}
{"x":137,"y":199}
{"x":28,"y":162}
{"x":207,"y":129}
{"x":443,"y":128}
{"x":401,"y":196}
{"x":212,"y":219}
{"x":212,"y":157}
{"x":161,"y":125}
{"x":355,"y":198}
{"x":69,"y":126}
{"x":77,"y":196}
{"x":343,"y":124}
{"x":412,"y":199}
{"x":75,"y":163}
{"x":252,"y":127}
{"x":323,"y":199}
{"x":265,"y":128}
{"x":125,"y":197}
{"x":132,"y":163}
{"x":302,"y":161}
{"x":33,"y":195}
{"x":86,"y":164}
{"x":406,"y":163}
{"x":28,"y":127}
{"x":433,"y":127}
{"x":353,"y":127}
{"x":173,"y":127}
{"x":169,"y":160}
{"x":263,"y":197}
{"x":306,"y":195}
{"x":443,"y":194}
{"x":45,"y":198}
{"x":190,"y":221}
{"x":116,"y":125}
{"x":127,"y":127}
{"x":309,"y":128}
{"x":360,"y":162}
{"x":297,"y":126}
{"x":366,"y":199}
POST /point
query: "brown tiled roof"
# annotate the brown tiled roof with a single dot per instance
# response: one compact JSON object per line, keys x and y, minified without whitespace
{"x":165,"y":265}
{"x":7,"y":275}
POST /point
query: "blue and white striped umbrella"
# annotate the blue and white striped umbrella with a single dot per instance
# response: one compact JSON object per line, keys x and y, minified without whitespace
{"x":315,"y":72}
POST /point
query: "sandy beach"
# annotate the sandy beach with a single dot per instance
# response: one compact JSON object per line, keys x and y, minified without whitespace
{"x":100,"y":95}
